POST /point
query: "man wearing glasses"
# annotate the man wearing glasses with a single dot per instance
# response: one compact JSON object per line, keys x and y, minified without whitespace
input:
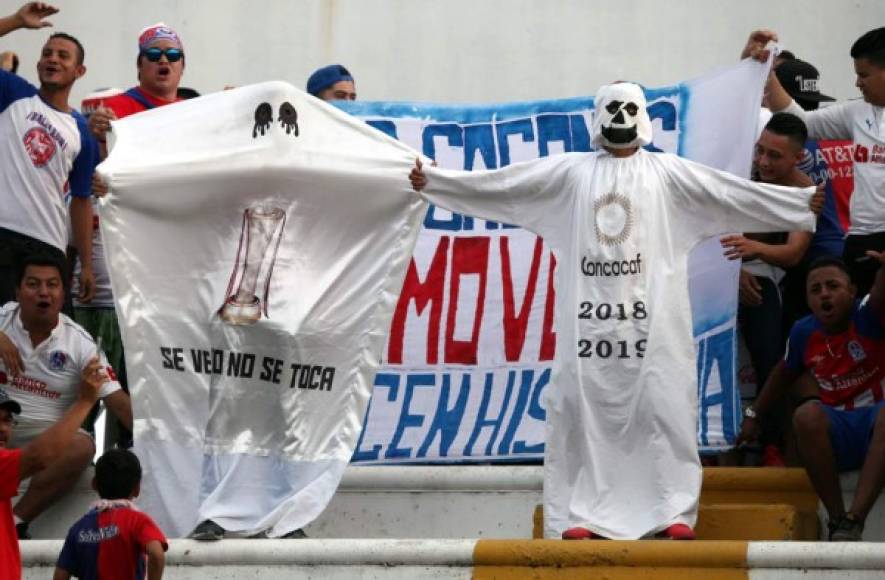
{"x":160,"y":64}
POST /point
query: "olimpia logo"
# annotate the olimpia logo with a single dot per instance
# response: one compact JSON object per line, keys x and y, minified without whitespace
{"x":614,"y":219}
{"x":806,"y":165}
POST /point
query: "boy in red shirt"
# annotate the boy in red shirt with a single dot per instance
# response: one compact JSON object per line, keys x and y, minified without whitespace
{"x":114,"y":541}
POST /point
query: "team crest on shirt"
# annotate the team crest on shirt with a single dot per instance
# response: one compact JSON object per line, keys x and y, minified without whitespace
{"x":856,"y":351}
{"x":614,"y":219}
{"x":39,"y":145}
{"x":57,"y":360}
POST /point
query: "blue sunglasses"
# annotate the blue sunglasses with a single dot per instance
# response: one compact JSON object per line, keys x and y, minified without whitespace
{"x":155,"y":54}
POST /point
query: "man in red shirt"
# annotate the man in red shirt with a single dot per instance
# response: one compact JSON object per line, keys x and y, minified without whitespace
{"x":840,"y":425}
{"x":18,"y":464}
{"x":160,"y":65}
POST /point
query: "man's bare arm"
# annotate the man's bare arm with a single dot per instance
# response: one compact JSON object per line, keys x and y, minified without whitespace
{"x":156,"y":560}
{"x":31,"y":15}
{"x":52,"y":442}
{"x":120,"y":405}
{"x":10,"y":356}
{"x":82,"y":224}
{"x":777,"y":385}
{"x":877,"y":292}
{"x":786,"y":255}
{"x":756,"y":48}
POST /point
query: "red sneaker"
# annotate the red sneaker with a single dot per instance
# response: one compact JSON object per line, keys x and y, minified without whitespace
{"x":679,"y":532}
{"x":772,"y":457}
{"x":578,"y":534}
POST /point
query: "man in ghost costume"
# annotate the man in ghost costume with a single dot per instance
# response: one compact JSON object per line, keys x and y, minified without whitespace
{"x":622,"y":459}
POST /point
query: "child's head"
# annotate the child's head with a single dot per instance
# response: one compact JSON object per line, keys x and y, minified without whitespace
{"x":117,"y":475}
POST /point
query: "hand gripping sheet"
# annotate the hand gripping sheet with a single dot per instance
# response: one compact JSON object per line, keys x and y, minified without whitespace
{"x":257,"y":241}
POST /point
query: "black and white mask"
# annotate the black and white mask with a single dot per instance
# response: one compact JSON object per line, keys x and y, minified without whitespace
{"x":621,"y":119}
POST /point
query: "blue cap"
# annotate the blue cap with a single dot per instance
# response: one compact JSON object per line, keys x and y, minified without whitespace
{"x":325,"y":77}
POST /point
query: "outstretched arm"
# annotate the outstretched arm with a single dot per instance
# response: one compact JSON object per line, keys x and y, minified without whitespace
{"x":828,"y":123}
{"x":31,"y":15}
{"x":785,"y":255}
{"x":520,"y":194}
{"x":757,"y":49}
{"x":712,"y":202}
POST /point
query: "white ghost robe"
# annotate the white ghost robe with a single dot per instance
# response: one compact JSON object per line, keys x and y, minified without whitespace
{"x":622,"y":458}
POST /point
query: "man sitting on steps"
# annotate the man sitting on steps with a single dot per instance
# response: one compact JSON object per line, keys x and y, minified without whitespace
{"x":840,"y":426}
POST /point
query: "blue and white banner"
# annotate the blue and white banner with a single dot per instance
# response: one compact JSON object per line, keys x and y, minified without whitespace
{"x":471,"y":346}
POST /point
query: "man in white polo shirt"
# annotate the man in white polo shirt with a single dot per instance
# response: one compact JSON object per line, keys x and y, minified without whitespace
{"x":45,"y":151}
{"x":42,"y":356}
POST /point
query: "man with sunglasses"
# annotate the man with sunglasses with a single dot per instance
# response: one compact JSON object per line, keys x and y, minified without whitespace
{"x":160,"y":65}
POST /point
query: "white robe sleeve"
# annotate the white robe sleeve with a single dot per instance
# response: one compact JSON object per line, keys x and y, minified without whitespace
{"x":829,"y":123}
{"x":524,"y":194}
{"x":710,"y":202}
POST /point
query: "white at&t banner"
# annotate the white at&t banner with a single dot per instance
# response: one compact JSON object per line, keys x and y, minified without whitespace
{"x":258,"y":241}
{"x":471,"y":346}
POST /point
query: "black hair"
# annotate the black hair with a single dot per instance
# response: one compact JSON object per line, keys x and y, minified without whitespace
{"x":786,"y":55}
{"x":187,"y":93}
{"x":790,"y":126}
{"x":81,"y":52}
{"x":41,"y":259}
{"x":117,"y":474}
{"x":829,"y":262}
{"x":871,"y":46}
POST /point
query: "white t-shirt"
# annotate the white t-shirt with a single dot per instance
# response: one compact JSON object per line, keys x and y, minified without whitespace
{"x":864,"y":124}
{"x":51,"y":380}
{"x":44,"y":152}
{"x":622,"y":458}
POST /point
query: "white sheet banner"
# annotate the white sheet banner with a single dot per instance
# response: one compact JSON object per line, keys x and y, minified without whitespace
{"x":471,"y":347}
{"x":257,"y":240}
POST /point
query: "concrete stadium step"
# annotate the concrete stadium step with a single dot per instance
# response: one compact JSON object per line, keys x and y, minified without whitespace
{"x":750,"y":504}
{"x":758,"y":504}
{"x":439,"y":502}
{"x":335,"y":559}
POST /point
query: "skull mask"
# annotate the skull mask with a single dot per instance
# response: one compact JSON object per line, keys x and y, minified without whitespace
{"x":621,"y":120}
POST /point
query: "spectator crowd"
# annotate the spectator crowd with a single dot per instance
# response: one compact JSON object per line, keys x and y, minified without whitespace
{"x":812,"y":305}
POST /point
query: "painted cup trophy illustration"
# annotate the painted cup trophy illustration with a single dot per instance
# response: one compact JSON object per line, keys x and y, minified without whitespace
{"x":260,"y":237}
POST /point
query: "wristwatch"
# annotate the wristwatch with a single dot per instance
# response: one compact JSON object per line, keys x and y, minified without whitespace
{"x":749,"y":413}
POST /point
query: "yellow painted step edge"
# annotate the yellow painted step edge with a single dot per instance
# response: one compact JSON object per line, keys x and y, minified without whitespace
{"x":612,"y":560}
